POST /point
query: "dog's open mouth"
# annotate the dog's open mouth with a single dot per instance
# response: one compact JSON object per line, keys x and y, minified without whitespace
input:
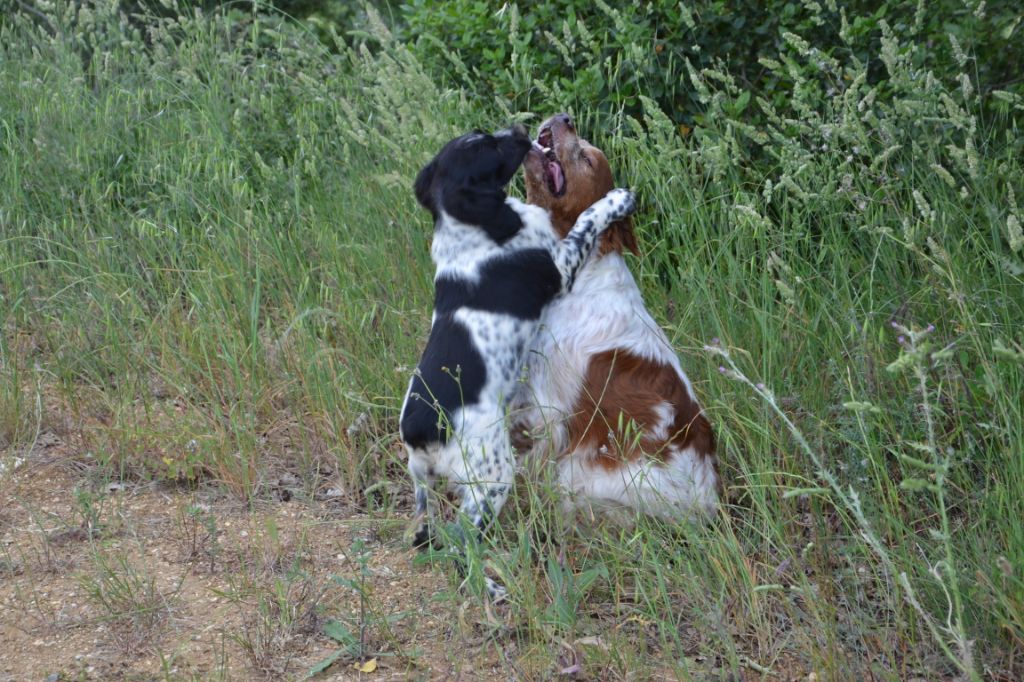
{"x":553,"y":174}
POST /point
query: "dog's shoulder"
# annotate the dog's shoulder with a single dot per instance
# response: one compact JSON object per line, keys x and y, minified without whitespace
{"x":458,"y":248}
{"x":519,"y":283}
{"x":536,"y":231}
{"x":463,"y":250}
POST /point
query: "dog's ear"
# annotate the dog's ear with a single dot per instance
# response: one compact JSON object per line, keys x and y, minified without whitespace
{"x":485,"y":208}
{"x":620,"y":237}
{"x":424,"y":186}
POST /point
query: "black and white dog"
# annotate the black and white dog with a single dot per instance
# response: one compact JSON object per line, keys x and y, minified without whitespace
{"x":499,"y":263}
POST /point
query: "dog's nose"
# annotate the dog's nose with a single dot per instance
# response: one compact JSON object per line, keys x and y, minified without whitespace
{"x":565,"y":119}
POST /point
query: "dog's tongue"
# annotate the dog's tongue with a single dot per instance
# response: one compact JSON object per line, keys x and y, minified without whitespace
{"x":552,"y":168}
{"x":557,"y":179}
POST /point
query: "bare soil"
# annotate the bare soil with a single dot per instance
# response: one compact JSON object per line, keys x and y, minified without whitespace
{"x":103,"y":580}
{"x":209,"y":606}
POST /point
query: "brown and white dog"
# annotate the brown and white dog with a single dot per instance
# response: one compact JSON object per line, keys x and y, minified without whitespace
{"x":605,"y":393}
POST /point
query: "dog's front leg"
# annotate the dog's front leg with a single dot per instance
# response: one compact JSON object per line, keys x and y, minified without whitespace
{"x":573,"y":251}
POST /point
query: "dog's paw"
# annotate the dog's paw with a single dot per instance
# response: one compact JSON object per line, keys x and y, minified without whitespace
{"x":496,"y":591}
{"x":423,"y":538}
{"x":623,"y":203}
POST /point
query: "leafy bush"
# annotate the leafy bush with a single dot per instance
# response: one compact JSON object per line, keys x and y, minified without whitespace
{"x":538,"y":55}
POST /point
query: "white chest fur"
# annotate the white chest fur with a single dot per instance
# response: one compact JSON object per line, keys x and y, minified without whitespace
{"x":604,"y":311}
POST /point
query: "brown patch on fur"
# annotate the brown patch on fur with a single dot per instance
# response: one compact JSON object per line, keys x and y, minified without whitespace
{"x":617,"y":411}
{"x":588,"y":177}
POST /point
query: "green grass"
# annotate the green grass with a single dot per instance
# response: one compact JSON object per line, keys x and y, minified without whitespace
{"x":212,"y":266}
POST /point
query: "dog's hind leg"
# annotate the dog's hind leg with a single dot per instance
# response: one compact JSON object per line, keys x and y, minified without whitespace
{"x":485,"y":487}
{"x":423,"y":480}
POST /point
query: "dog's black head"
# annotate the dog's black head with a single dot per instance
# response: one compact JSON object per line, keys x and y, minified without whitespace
{"x":467,"y":180}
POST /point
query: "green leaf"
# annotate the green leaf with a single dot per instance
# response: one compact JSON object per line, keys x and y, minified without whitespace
{"x":587,"y":578}
{"x":346,"y":582}
{"x":1012,"y":352}
{"x":741,"y":102}
{"x":324,"y":664}
{"x":797,"y":492}
{"x":920,"y":463}
{"x":860,"y":406}
{"x":915,"y":484}
{"x":1008,"y":30}
{"x":901,"y":363}
{"x":338,"y":632}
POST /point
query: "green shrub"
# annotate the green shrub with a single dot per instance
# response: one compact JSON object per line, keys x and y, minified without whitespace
{"x":540,"y":55}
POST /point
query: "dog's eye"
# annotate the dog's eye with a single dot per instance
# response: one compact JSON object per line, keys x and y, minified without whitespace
{"x":587,"y":159}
